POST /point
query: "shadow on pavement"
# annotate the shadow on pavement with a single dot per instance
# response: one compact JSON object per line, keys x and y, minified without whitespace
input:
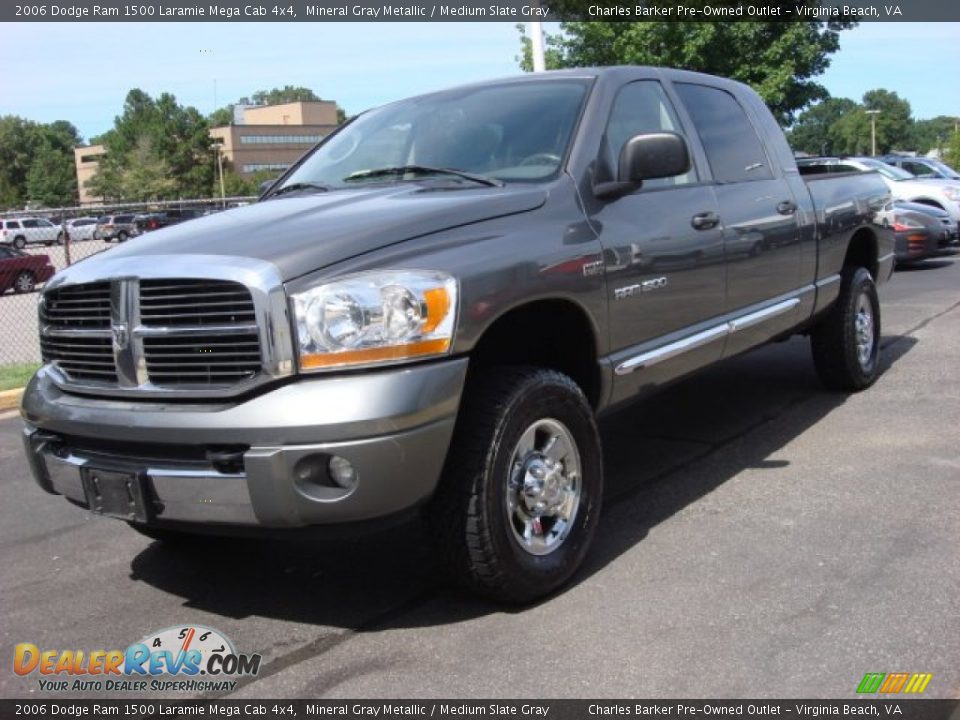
{"x":651,"y":451}
{"x":923,"y":265}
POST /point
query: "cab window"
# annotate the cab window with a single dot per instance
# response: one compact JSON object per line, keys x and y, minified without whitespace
{"x":640,"y":107}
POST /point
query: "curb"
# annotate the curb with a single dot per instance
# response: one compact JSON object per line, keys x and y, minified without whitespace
{"x":10,"y":399}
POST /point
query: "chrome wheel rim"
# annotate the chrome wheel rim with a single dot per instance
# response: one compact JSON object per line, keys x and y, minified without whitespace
{"x":863,"y":329}
{"x":24,"y":283}
{"x":543,"y":487}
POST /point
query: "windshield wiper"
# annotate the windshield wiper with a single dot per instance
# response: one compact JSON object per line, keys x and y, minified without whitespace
{"x":299,"y":187}
{"x":422,"y":170}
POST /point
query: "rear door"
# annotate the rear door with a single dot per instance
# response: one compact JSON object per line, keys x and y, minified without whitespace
{"x":758,"y":212}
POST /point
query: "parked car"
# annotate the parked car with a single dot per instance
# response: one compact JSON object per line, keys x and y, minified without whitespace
{"x":165,"y":218}
{"x":24,"y":231}
{"x":943,"y":194}
{"x":23,"y":272}
{"x":920,"y":231}
{"x":157,"y":220}
{"x":922,"y":168}
{"x":117,"y":227}
{"x":78,"y":229}
{"x":428,"y":313}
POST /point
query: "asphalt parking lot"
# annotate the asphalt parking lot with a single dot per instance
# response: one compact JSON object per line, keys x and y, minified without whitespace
{"x":761,"y":538}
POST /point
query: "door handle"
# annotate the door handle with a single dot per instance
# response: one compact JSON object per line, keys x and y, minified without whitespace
{"x":705,"y":220}
{"x":787,"y":207}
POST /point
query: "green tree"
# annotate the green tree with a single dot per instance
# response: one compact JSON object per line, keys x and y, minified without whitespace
{"x":814,"y":131}
{"x":933,"y":133}
{"x":852,"y":132}
{"x":24,"y":144}
{"x":778,"y":59}
{"x":951,"y":155}
{"x":52,"y":178}
{"x":286,"y":94}
{"x":221,"y":116}
{"x":148,"y":175}
{"x":894,"y":121}
{"x":176,"y":135}
{"x":234,"y":184}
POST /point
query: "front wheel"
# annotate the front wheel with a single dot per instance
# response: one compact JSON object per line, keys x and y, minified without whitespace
{"x":846,"y":342}
{"x":520,"y":496}
{"x":19,"y":242}
{"x":121,"y":236}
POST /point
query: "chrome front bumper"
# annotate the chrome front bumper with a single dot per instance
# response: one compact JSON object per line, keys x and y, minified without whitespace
{"x":393,"y":426}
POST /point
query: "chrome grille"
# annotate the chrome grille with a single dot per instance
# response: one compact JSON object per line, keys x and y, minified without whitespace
{"x":165,"y":303}
{"x":215,"y":361}
{"x":78,"y":306}
{"x":71,"y":317}
{"x":152,"y":334}
{"x":228,"y":354}
{"x":81,"y":358}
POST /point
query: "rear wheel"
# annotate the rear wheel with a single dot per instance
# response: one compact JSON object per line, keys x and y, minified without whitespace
{"x":24,"y":282}
{"x":61,"y":237}
{"x":19,"y":242}
{"x":520,"y":497}
{"x":846,"y":342}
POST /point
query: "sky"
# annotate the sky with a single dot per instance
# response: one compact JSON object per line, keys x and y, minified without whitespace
{"x":82,"y":72}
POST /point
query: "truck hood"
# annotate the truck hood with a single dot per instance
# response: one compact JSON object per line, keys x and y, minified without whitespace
{"x":302,"y":233}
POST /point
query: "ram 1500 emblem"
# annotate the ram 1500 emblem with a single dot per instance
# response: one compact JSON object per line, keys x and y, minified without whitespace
{"x":645,"y":286}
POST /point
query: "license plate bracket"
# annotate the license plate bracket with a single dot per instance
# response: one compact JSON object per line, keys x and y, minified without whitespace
{"x":116,"y":494}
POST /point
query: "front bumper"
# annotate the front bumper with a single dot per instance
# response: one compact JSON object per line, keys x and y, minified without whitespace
{"x":393,"y":426}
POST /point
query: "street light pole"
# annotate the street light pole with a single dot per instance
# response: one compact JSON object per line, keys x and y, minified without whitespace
{"x":873,"y":131}
{"x":536,"y":45}
{"x":223,"y":193}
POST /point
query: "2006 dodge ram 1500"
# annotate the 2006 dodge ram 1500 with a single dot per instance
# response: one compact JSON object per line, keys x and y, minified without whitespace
{"x":430,"y":309}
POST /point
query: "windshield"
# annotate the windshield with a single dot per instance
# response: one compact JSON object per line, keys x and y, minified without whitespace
{"x":509,"y":132}
{"x":894,"y":173}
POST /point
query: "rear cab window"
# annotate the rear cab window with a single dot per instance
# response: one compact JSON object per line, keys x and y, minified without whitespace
{"x":729,"y":139}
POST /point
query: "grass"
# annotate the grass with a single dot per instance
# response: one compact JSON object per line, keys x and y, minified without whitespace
{"x":16,"y":375}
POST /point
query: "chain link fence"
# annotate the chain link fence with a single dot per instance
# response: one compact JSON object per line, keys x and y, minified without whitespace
{"x":35,"y":245}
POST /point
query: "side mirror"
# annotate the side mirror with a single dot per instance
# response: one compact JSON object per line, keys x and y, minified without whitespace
{"x":265,"y":186}
{"x":653,"y":155}
{"x":646,"y":157}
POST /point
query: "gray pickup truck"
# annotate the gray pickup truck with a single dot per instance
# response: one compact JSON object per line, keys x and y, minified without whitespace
{"x":430,"y":309}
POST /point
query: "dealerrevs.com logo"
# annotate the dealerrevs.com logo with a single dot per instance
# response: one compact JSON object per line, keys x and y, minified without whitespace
{"x":189,"y":658}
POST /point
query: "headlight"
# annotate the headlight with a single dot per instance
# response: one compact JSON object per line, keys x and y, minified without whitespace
{"x":375,"y":317}
{"x":952,"y":192}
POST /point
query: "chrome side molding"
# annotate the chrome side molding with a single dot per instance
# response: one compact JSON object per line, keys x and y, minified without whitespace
{"x":678,"y":347}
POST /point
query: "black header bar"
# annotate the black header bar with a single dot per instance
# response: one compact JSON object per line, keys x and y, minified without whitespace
{"x":300,"y":11}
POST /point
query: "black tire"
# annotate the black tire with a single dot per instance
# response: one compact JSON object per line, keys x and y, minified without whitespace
{"x":19,"y":242}
{"x":841,"y":359}
{"x":61,"y":237}
{"x":121,"y":236}
{"x":475,"y":531}
{"x":25,"y":282}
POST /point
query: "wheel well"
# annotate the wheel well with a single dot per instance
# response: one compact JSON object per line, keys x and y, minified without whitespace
{"x":862,"y":251}
{"x":555,"y":334}
{"x":927,"y":201}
